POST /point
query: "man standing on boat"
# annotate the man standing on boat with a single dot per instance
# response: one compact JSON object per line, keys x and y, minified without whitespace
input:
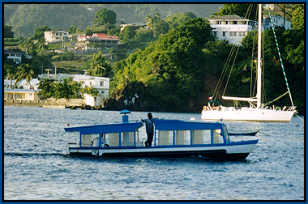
{"x":150,"y":129}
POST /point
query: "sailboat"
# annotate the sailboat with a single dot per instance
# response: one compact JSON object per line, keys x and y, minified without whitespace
{"x":257,"y":111}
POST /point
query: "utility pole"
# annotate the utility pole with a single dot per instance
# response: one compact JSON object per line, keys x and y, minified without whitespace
{"x":55,"y":72}
{"x":48,"y":73}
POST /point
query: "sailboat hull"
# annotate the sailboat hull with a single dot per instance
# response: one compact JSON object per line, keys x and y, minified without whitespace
{"x":247,"y":114}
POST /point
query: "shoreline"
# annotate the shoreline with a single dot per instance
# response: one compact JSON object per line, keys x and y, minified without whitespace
{"x":57,"y":106}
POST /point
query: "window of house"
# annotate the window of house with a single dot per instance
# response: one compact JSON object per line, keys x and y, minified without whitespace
{"x":223,"y":34}
{"x":101,"y":83}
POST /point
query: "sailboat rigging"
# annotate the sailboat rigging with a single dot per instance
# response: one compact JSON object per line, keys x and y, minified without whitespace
{"x":257,"y":111}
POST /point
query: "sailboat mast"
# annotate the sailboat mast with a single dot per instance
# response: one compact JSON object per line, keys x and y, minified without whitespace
{"x":259,"y":72}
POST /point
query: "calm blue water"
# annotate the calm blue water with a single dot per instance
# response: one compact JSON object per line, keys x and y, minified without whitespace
{"x":36,"y":166}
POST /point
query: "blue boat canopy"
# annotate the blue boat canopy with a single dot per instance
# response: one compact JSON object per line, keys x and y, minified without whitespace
{"x":108,"y":128}
{"x":161,"y":124}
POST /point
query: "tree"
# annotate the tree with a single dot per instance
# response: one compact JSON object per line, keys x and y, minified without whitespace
{"x":73,"y":29}
{"x":46,"y":88}
{"x":24,"y":71}
{"x":9,"y":71}
{"x":144,"y":35}
{"x":157,"y":25}
{"x":89,"y":31}
{"x":179,"y":18}
{"x":298,"y":17}
{"x":39,"y":33}
{"x":171,"y":68}
{"x":128,"y":34}
{"x":29,"y":47}
{"x":99,"y":66}
{"x":105,"y":16}
{"x":243,"y":10}
{"x":7,"y":32}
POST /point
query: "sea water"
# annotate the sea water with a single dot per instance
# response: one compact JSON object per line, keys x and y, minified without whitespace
{"x":36,"y":166}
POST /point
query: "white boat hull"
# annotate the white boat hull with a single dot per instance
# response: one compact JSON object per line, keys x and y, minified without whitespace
{"x":234,"y":150}
{"x":248,"y":114}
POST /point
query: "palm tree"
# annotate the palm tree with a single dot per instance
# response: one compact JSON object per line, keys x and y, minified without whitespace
{"x":99,"y":66}
{"x":24,"y":71}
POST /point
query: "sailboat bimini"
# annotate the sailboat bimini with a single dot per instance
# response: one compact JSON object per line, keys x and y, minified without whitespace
{"x":257,"y":111}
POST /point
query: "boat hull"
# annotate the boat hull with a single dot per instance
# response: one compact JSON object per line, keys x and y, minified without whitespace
{"x":247,"y":114}
{"x":232,"y":151}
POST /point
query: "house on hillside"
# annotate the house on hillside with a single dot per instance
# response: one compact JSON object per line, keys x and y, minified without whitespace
{"x":16,"y":55}
{"x":23,"y":92}
{"x":123,"y":26}
{"x":20,"y":95}
{"x":107,"y":40}
{"x":101,"y":84}
{"x":232,"y":28}
{"x":55,"y":36}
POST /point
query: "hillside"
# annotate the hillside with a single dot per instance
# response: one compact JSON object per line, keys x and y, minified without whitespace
{"x":26,"y":17}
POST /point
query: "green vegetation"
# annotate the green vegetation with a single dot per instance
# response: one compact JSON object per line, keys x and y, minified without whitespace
{"x":54,"y":89}
{"x":99,"y":66}
{"x":171,"y":64}
{"x":105,"y":16}
{"x":243,"y":10}
{"x":63,"y":16}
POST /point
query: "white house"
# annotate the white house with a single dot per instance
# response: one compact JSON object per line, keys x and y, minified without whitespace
{"x":20,"y":95}
{"x":123,"y":26}
{"x":232,"y":28}
{"x":55,"y":36}
{"x":14,"y":55}
{"x":101,"y":84}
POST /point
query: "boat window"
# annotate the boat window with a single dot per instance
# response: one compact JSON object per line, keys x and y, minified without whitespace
{"x":89,"y":139}
{"x":112,"y":139}
{"x":74,"y":135}
{"x":217,"y":137}
{"x":128,"y":138}
{"x":201,"y":137}
{"x":165,"y":137}
{"x":182,"y":137}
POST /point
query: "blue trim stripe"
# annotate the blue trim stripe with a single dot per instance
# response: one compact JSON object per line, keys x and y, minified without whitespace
{"x":169,"y":146}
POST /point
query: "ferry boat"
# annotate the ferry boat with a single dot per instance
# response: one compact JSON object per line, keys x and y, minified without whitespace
{"x":171,"y":138}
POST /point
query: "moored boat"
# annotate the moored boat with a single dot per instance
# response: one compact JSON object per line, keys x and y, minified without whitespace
{"x":257,"y":111}
{"x":171,"y":138}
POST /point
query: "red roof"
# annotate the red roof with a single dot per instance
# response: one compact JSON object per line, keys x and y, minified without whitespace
{"x":103,"y":36}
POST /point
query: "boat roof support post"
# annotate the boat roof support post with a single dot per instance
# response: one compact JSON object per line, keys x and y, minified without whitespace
{"x":100,"y":140}
{"x":120,"y":141}
{"x":191,"y":136}
{"x":80,"y":138}
{"x":173,"y":137}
